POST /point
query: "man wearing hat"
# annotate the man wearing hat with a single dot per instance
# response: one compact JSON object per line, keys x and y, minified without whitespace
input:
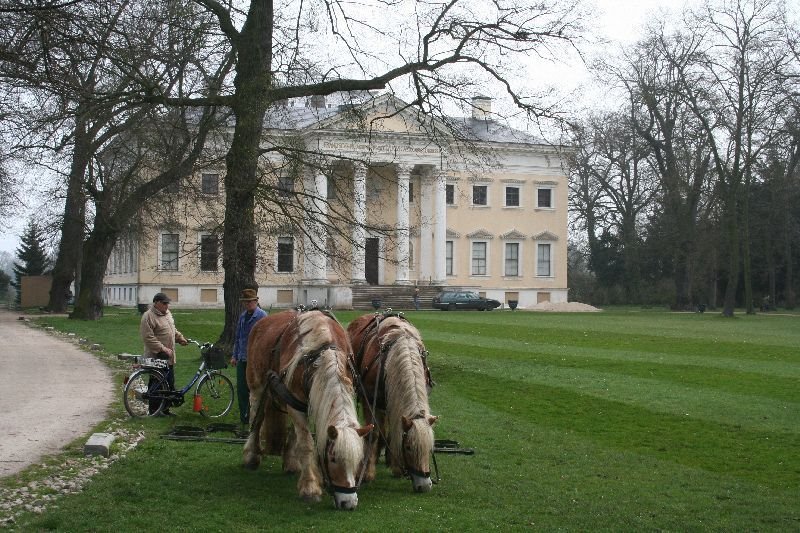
{"x":157,"y":329}
{"x":252,"y":314}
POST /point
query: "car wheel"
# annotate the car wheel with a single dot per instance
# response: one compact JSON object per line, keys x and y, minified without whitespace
{"x":451,"y":307}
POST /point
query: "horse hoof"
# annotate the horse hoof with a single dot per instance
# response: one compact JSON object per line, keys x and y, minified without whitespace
{"x":252,"y":464}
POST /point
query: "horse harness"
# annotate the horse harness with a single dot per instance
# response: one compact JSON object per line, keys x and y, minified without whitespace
{"x":378,"y":399}
{"x":275,"y":382}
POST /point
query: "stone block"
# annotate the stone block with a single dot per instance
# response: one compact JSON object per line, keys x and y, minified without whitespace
{"x":99,"y":444}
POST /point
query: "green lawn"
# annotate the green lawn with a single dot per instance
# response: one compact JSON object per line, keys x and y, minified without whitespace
{"x":620,"y":420}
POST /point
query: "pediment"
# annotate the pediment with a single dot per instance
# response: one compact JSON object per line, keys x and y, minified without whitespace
{"x":513,"y":234}
{"x":480,"y":234}
{"x":545,"y":236}
{"x":452,"y":234}
{"x":383,"y":114}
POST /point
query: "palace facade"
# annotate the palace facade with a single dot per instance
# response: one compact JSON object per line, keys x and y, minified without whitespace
{"x":400,"y":202}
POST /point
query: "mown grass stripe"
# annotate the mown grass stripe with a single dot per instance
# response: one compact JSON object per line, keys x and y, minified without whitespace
{"x":710,"y":344}
{"x":756,"y":455}
{"x":556,"y":477}
{"x":526,"y":348}
{"x":707,"y":402}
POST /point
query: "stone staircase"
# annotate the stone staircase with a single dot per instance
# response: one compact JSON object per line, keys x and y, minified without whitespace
{"x":398,"y":297}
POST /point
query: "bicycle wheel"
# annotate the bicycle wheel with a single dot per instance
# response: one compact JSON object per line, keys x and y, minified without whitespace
{"x":142,"y":393}
{"x":216,"y":390}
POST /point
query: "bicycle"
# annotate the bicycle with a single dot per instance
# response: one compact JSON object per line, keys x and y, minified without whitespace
{"x":147,"y":392}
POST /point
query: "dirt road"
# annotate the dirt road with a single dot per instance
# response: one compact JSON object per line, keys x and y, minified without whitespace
{"x":52,"y":393}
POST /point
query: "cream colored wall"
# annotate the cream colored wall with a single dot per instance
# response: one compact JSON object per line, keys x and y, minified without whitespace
{"x":497,"y":220}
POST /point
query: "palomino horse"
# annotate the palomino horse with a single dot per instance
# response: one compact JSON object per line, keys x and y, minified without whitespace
{"x":395,"y":382}
{"x":297,"y":363}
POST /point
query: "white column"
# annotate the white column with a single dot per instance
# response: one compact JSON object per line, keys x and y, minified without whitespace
{"x":402,"y":232}
{"x":358,"y":276}
{"x":439,"y":229}
{"x":316,"y":237}
{"x":426,"y":228}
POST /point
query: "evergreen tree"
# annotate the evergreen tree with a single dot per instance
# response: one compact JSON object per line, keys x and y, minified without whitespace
{"x":32,"y":255}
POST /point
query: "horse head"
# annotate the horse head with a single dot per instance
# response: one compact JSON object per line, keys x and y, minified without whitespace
{"x":417,"y":446}
{"x":341,"y":463}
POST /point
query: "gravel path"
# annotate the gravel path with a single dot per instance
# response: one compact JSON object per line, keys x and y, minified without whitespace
{"x":52,"y":393}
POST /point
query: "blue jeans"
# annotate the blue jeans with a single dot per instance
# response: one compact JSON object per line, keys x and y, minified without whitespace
{"x":242,"y":392}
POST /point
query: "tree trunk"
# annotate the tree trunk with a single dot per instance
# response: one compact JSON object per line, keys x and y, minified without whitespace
{"x":732,"y":237}
{"x":252,"y":83}
{"x":72,"y":226}
{"x":89,"y":303}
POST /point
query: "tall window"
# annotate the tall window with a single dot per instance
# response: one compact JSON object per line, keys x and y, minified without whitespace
{"x":544,"y":198}
{"x":285,"y":186}
{"x":410,"y":192}
{"x":512,"y":259}
{"x":209,"y":253}
{"x":331,"y":192}
{"x":512,"y":196}
{"x":448,"y":258}
{"x":169,"y":251}
{"x":478,"y":258}
{"x":543,"y":267}
{"x":450,"y":194}
{"x":479,"y":195}
{"x":210,"y":183}
{"x":411,"y":255}
{"x":286,"y":254}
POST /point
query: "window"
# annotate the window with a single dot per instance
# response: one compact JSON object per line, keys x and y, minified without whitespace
{"x":331,"y":192}
{"x":330,"y":254}
{"x":512,"y":259}
{"x":478,"y":258}
{"x":209,"y":253}
{"x":512,"y":196}
{"x":543,"y":267}
{"x":285,"y":186}
{"x":411,"y":255}
{"x":169,"y":251}
{"x":450,"y":194}
{"x":448,"y":258}
{"x":411,"y":192}
{"x":479,"y":193}
{"x":210,"y":183}
{"x":286,"y":254}
{"x":544,"y":198}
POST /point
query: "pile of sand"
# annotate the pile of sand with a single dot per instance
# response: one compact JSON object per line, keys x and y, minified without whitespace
{"x":564,"y":307}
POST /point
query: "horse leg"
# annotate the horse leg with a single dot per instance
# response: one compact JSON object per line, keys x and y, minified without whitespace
{"x":309,"y":485}
{"x":373,"y":442}
{"x":252,"y":448}
{"x":291,"y":464}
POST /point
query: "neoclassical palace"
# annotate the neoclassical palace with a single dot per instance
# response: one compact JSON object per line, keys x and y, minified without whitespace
{"x":469,"y":204}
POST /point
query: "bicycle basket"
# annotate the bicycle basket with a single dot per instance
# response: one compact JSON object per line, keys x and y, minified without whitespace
{"x":214,"y":357}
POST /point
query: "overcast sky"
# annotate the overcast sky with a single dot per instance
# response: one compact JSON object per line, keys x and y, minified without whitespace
{"x":617,"y":20}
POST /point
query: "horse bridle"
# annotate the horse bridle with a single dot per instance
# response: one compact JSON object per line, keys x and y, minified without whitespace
{"x":326,"y":476}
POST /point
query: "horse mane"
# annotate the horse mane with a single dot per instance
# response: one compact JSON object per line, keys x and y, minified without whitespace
{"x":406,"y":385}
{"x":331,"y":398}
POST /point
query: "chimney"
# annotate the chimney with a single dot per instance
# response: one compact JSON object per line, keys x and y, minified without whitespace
{"x":316,"y":101}
{"x":481,"y":107}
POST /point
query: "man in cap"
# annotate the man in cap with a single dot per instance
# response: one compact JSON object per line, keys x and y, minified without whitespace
{"x":157,"y":329}
{"x":252,"y":313}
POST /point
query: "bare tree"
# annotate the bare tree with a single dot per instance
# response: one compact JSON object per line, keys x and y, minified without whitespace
{"x":733,"y":88}
{"x":650,"y":74}
{"x":614,"y":181}
{"x":76,"y":65}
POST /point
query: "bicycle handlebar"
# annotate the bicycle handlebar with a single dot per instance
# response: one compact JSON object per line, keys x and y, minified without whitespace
{"x":199,"y":345}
